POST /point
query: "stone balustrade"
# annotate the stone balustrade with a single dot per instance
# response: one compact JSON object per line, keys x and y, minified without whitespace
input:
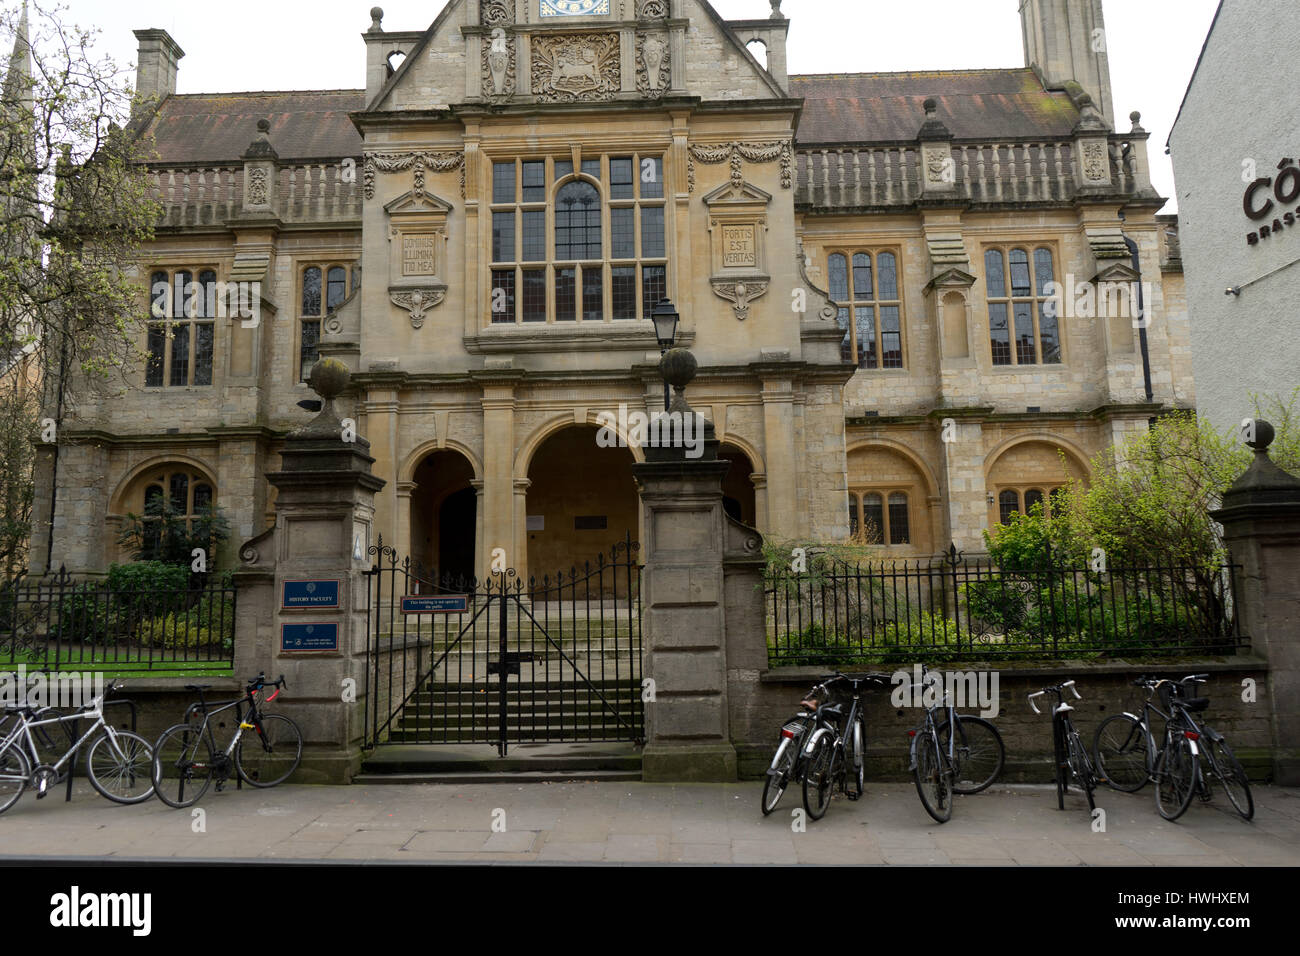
{"x":210,"y":195}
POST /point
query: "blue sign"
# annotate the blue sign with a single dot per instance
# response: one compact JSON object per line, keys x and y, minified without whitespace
{"x":309,"y":637}
{"x":310,"y":594}
{"x":439,"y":604}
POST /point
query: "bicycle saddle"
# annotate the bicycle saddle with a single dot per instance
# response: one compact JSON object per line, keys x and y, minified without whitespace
{"x":836,"y":710}
{"x":1195,"y":703}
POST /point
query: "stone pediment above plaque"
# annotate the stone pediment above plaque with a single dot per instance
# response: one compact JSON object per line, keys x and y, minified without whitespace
{"x":418,"y":202}
{"x":732,"y":194}
{"x":738,"y":243}
{"x":417,"y":253}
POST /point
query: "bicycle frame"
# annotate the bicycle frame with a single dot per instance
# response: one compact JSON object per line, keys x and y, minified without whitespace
{"x":22,"y":733}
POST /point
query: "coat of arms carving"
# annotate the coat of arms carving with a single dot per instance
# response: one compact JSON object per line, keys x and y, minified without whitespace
{"x":584,"y":67}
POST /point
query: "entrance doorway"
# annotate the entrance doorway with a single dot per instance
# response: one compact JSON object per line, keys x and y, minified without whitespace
{"x":444,"y":509}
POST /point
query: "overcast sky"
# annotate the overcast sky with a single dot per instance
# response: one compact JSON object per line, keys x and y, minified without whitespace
{"x":238,"y":45}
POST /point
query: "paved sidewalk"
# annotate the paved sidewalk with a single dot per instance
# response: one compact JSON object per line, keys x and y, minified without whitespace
{"x":649,"y":823}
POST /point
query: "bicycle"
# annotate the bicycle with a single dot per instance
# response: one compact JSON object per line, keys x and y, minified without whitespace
{"x":1180,"y":767}
{"x":117,"y":763}
{"x":830,"y":752}
{"x":944,"y":763}
{"x":1125,"y":744}
{"x":1071,"y":754}
{"x":788,"y":762}
{"x":186,"y":759}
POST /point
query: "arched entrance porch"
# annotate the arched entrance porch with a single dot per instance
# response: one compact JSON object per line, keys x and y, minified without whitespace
{"x":444,"y":506}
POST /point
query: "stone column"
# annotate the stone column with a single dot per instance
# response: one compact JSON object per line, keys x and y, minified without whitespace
{"x":498,"y":498}
{"x":683,"y":599}
{"x":324,"y":519}
{"x":1261,"y":526}
{"x":778,"y":434}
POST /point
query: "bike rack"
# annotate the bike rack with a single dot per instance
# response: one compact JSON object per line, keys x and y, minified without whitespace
{"x":75,"y":733}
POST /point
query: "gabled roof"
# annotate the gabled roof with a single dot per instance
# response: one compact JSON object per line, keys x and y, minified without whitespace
{"x":218,"y":127}
{"x":973,"y":104}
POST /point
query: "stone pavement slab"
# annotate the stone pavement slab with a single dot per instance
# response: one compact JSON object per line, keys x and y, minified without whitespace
{"x":645,"y":823}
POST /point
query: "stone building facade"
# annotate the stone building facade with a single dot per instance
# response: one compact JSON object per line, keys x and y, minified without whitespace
{"x":862,"y":264}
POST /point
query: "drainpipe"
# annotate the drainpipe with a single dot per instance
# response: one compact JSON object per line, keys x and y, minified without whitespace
{"x":1142,"y":329}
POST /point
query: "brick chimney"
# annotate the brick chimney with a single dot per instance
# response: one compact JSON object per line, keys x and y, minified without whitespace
{"x":156,"y":63}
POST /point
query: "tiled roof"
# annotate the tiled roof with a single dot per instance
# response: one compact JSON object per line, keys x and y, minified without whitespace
{"x":838,"y":108}
{"x":218,"y":127}
{"x":887,"y":107}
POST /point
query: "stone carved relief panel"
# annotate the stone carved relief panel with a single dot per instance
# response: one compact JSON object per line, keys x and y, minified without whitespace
{"x":652,"y":9}
{"x":653,"y":67}
{"x":497,"y":12}
{"x":579,"y":67}
{"x":1095,"y":166}
{"x":499,"y":55}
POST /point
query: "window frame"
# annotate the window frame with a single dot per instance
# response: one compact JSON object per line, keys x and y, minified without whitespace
{"x":170,"y":323}
{"x":1021,"y":489}
{"x":1036,"y":299}
{"x":858,"y":514}
{"x":302,"y":267}
{"x":161,"y":477}
{"x":596,"y":171}
{"x":855,"y":303}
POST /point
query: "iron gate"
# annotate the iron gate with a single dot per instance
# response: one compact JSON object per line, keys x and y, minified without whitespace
{"x":500,"y":662}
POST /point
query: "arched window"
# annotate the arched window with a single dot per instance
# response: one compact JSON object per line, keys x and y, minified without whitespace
{"x":1019,"y":307}
{"x":1008,"y":505}
{"x":172,"y":499}
{"x":1034,"y":496}
{"x":873,"y":518}
{"x":573,"y":272}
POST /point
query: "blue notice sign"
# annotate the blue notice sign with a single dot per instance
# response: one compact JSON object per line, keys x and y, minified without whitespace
{"x":309,"y":637}
{"x":435,"y":604}
{"x":302,"y":595}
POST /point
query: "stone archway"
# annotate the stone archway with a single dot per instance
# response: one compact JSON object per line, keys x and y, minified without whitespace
{"x":739,"y":497}
{"x":581,"y":500}
{"x":444,"y":507}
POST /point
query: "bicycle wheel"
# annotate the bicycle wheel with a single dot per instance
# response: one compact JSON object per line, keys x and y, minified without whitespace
{"x":1233,"y":777}
{"x":1175,"y":776}
{"x":271,"y":752}
{"x":819,"y":780}
{"x":15,"y":772}
{"x":122,"y":771}
{"x":979,"y":752}
{"x":778,"y":777}
{"x":933,"y":777}
{"x":854,"y":761}
{"x":182,"y":765}
{"x":1081,"y":767}
{"x":1121,"y":748}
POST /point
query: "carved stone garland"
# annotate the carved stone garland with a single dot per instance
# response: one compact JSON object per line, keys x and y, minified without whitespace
{"x":734,"y":152}
{"x":581,"y":67}
{"x":420,"y":161}
{"x":418,"y":302}
{"x":653,"y":65}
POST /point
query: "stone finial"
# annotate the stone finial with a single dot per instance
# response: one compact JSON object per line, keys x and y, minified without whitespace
{"x":1263,"y":482}
{"x":376,"y":20}
{"x":933,"y":127}
{"x":678,"y":367}
{"x":1136,"y":119}
{"x":776,"y":10}
{"x":328,"y":379}
{"x":260,"y":147}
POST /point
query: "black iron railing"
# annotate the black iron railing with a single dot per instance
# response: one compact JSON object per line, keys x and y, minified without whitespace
{"x":56,"y":622}
{"x":949,"y":608}
{"x":502,"y":661}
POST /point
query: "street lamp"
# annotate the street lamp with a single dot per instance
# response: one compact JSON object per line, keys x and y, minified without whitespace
{"x":665,"y":318}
